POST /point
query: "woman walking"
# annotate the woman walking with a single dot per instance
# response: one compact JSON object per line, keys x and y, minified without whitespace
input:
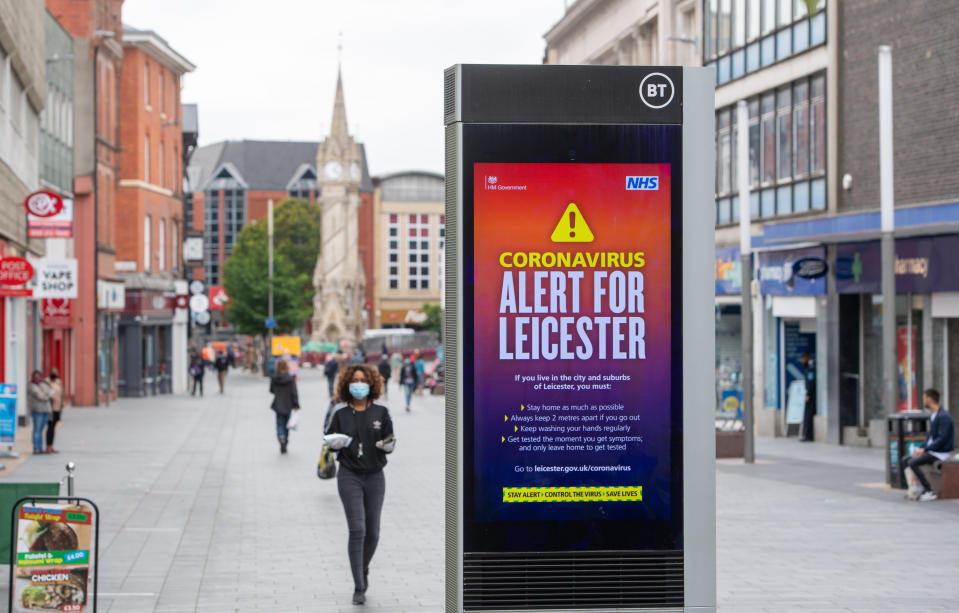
{"x":39,"y":394}
{"x":56,"y":404}
{"x":197,"y":368}
{"x":286,"y":399}
{"x":360,"y":479}
{"x":408,"y":380}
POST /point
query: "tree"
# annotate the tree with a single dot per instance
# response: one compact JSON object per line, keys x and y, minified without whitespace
{"x":296,"y":233}
{"x":434,"y":317}
{"x":247,"y":283}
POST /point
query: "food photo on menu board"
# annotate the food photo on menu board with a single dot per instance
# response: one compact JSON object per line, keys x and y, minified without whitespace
{"x":53,"y":558}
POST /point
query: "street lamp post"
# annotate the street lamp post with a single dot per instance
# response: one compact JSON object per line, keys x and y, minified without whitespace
{"x":746,"y":266}
{"x":887,"y":226}
{"x":269,"y":235}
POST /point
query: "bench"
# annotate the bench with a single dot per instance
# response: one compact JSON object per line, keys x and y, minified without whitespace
{"x":944,"y":477}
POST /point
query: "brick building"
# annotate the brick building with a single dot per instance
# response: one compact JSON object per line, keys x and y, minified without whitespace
{"x":152,"y":335}
{"x":97,"y":62}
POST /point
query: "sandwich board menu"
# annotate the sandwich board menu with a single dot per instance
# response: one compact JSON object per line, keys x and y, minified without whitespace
{"x":54,"y":556}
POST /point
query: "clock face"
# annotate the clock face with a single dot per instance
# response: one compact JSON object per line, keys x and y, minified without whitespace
{"x":333,"y":169}
{"x":355,"y":170}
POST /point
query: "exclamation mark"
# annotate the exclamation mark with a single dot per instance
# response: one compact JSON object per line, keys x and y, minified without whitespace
{"x":572,"y":224}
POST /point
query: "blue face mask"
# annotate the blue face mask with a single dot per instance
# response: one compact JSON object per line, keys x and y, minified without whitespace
{"x":359,"y":390}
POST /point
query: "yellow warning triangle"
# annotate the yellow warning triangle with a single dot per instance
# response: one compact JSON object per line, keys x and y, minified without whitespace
{"x":572,"y":228}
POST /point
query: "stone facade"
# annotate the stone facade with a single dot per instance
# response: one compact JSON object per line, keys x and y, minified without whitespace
{"x":339,"y":278}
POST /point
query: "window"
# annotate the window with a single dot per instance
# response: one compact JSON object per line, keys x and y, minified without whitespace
{"x":418,"y":255}
{"x":786,"y":152}
{"x":160,"y":174}
{"x":160,"y":104}
{"x":147,"y":263}
{"x":146,"y":85}
{"x":146,"y":158}
{"x":175,"y":247}
{"x":393,"y":253}
{"x":742,"y":36}
{"x":161,"y":244}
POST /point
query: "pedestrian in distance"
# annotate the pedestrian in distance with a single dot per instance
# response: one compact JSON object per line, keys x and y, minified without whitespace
{"x":938,"y":446}
{"x":222,"y":365}
{"x":56,"y":405}
{"x":809,"y":372}
{"x":360,"y":480}
{"x":396,"y":363}
{"x":420,"y":371}
{"x":385,"y":371}
{"x":39,"y":394}
{"x":230,"y":355}
{"x":330,"y":369}
{"x":408,"y":380}
{"x":286,"y":399}
{"x":197,"y":370}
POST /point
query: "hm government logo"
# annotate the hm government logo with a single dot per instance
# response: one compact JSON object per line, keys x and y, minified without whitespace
{"x":642,"y":183}
{"x":493,"y":184}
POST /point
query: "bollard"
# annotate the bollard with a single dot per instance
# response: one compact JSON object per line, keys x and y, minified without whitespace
{"x":70,"y":468}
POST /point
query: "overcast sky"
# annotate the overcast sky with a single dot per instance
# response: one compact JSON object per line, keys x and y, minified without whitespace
{"x":267,"y":70}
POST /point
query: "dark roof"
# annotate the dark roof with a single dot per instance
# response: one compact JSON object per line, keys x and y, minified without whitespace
{"x":263,"y":165}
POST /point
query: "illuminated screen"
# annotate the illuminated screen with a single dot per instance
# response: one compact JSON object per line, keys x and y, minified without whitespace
{"x":574,"y":344}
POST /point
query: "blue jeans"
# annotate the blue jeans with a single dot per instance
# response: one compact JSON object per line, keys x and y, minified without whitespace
{"x":39,"y":423}
{"x":408,"y":388}
{"x":281,"y":432}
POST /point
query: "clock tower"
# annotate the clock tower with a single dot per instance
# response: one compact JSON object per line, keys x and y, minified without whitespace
{"x":339,"y":280}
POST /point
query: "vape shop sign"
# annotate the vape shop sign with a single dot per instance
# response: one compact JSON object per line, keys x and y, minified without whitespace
{"x":56,"y":278}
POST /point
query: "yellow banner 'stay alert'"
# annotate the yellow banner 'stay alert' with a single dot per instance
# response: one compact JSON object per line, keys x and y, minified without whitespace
{"x":572,"y":494}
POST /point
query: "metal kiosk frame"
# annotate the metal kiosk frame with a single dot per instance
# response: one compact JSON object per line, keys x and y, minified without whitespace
{"x":564,"y":577}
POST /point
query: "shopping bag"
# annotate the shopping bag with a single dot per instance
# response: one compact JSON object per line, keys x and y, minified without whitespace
{"x":293,"y":421}
{"x":326,"y":467}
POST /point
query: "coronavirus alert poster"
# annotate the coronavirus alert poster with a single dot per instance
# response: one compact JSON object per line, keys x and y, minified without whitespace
{"x":572,"y":328}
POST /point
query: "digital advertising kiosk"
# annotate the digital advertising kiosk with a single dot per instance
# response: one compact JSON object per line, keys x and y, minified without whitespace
{"x":579,"y":339}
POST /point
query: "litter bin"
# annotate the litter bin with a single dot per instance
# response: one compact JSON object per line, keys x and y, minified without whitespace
{"x":906,"y":432}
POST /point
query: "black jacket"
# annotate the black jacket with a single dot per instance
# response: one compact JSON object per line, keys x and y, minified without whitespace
{"x":941,"y":433}
{"x":221,"y":364}
{"x":285,"y":396}
{"x":366,"y":427}
{"x":408,"y":373}
{"x":384,"y":368}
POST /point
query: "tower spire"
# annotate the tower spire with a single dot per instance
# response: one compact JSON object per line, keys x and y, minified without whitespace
{"x":339,"y":130}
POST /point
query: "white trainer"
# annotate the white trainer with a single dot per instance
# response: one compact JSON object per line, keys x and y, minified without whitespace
{"x":927,"y":496}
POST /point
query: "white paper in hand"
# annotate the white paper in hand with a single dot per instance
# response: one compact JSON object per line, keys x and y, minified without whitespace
{"x":337,"y":441}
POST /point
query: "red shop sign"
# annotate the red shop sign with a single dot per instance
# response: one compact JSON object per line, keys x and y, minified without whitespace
{"x":15,"y":270}
{"x":43,"y":204}
{"x":57,"y":313}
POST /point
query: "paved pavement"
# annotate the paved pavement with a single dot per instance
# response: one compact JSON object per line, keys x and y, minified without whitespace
{"x":201,"y":513}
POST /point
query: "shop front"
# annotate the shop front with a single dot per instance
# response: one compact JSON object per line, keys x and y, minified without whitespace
{"x":729,"y":334}
{"x":57,"y":318}
{"x":146,"y":343}
{"x":790,"y":282}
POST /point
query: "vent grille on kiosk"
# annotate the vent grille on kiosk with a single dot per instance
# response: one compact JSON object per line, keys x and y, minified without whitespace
{"x":450,"y":366}
{"x":449,"y":95}
{"x":596,"y":580}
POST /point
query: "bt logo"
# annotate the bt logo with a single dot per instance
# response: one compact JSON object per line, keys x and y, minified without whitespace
{"x":656,"y":90}
{"x":642,"y":183}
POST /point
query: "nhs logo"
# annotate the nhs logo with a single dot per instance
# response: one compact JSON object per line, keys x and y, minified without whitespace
{"x":642,"y":183}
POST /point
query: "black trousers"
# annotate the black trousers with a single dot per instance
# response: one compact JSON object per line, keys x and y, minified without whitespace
{"x":52,"y":427}
{"x":197,"y":382}
{"x":914,"y":462}
{"x":362,"y":497}
{"x":807,"y":422}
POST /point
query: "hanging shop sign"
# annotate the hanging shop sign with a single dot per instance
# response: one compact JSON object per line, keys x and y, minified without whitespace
{"x":282,"y":345}
{"x":49,"y":215}
{"x":8,"y":413}
{"x":55,"y":555}
{"x":15,"y":270}
{"x":111,"y":295}
{"x":218,"y":298}
{"x":778,"y":272}
{"x":57,"y":313}
{"x":199,"y":303}
{"x":201,"y":317}
{"x":56,"y":278}
{"x":193,"y":249}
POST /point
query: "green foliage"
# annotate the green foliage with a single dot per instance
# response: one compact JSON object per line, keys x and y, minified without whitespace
{"x":812,"y":7}
{"x":434,"y":317}
{"x":296,"y":233}
{"x":246,"y":280}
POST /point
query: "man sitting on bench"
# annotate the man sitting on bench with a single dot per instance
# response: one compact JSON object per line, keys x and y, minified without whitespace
{"x":938,"y":445}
